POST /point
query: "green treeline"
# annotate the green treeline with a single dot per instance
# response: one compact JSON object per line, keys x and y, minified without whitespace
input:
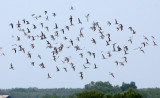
{"x":91,"y":90}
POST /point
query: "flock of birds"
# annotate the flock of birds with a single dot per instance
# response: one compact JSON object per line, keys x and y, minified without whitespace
{"x":59,"y":32}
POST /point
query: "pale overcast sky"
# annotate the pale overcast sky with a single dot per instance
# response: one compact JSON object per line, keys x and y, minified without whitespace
{"x":142,"y":15}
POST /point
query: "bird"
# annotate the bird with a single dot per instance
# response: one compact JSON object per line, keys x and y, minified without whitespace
{"x":45,"y":12}
{"x":2,"y":54}
{"x":34,"y":26}
{"x":87,"y":17}
{"x":134,"y":32}
{"x":23,"y":50}
{"x":62,"y":30}
{"x":77,"y":39}
{"x":116,"y":62}
{"x":24,"y":21}
{"x":93,"y":41}
{"x":57,"y":69}
{"x":79,"y":21}
{"x":39,"y":56}
{"x":116,"y":22}
{"x":33,"y":15}
{"x":47,"y":19}
{"x":121,"y":63}
{"x":121,"y":26}
{"x":18,"y":38}
{"x":153,"y":38}
{"x":81,"y":34}
{"x":103,"y":56}
{"x":28,"y":30}
{"x":71,"y":8}
{"x":89,"y":53}
{"x":18,"y":25}
{"x":42,"y":65}
{"x":29,"y":55}
{"x":145,"y":38}
{"x":56,"y":26}
{"x":32,"y":46}
{"x":67,"y":27}
{"x":32,"y":63}
{"x":155,"y":44}
{"x":71,"y":20}
{"x":87,"y":62}
{"x":81,"y":54}
{"x":47,"y":28}
{"x":54,"y":14}
{"x":27,"y":22}
{"x":130,"y":40}
{"x":141,"y":49}
{"x":41,"y":24}
{"x":109,"y":54}
{"x":95,"y":66}
{"x":85,"y":66}
{"x":130,"y":28}
{"x":94,"y":55}
{"x":109,"y":23}
{"x":65,"y":38}
{"x":65,"y":69}
{"x":11,"y":66}
{"x":11,"y":24}
{"x":107,"y":43}
{"x":73,"y":67}
{"x":81,"y":73}
{"x":52,"y":37}
{"x":71,"y":42}
{"x":14,"y":49}
{"x":144,"y":44}
{"x":119,"y":48}
{"x":49,"y":76}
{"x":125,"y":52}
{"x":125,"y":59}
{"x":110,"y":73}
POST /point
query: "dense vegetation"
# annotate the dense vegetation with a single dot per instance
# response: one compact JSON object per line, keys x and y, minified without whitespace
{"x":91,"y":90}
{"x":130,"y":93}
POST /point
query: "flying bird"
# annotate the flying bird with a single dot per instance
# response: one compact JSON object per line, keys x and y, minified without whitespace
{"x":11,"y":66}
{"x":49,"y":76}
{"x":110,"y":73}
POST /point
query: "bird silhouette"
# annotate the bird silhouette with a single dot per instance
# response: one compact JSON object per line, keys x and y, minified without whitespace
{"x":49,"y":76}
{"x":87,"y":62}
{"x":85,"y":66}
{"x":57,"y":69}
{"x":109,"y":23}
{"x":71,"y":8}
{"x":11,"y":66}
{"x":65,"y":69}
{"x":103,"y":56}
{"x":110,"y":73}
{"x":116,"y":22}
{"x":14,"y":50}
{"x":87,"y":17}
{"x":11,"y":24}
{"x":93,"y":41}
{"x":79,"y":21}
{"x":155,"y":44}
{"x":95,"y":66}
{"x":18,"y":25}
{"x":116,"y":62}
{"x":32,"y":63}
